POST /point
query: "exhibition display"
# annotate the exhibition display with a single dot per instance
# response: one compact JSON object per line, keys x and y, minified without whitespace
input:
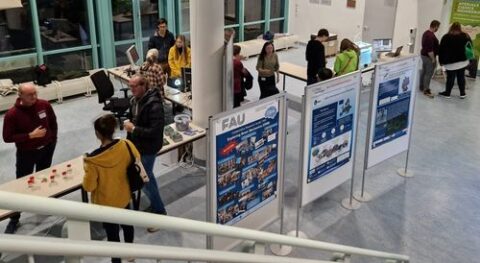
{"x":330,"y":117}
{"x":245,"y":165}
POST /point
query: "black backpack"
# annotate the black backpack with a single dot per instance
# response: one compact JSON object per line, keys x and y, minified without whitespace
{"x":42,"y":75}
{"x":247,"y":79}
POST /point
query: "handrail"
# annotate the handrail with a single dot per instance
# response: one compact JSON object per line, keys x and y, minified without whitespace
{"x":88,"y":212}
{"x":66,"y":247}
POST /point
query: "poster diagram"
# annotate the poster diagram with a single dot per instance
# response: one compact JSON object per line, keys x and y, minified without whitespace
{"x":332,"y":125}
{"x":246,"y":162}
{"x":393,"y":106}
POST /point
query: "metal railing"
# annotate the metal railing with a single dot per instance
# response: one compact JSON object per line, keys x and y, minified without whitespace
{"x":77,"y":211}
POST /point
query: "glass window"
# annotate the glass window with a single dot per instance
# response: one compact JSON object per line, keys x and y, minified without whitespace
{"x":66,"y":64}
{"x":16,"y":34}
{"x":63,"y":24}
{"x":149,"y":17}
{"x":231,"y":12}
{"x":276,"y":26}
{"x":253,"y":31}
{"x":276,"y":8}
{"x":185,"y":16}
{"x":122,"y":19}
{"x":121,"y":55}
{"x":254,"y":10}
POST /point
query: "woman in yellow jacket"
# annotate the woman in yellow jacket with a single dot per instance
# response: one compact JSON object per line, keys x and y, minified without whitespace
{"x":178,"y":57}
{"x":106,"y":175}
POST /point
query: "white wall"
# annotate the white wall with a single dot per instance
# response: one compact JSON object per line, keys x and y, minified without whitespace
{"x":406,"y":18}
{"x":306,"y":18}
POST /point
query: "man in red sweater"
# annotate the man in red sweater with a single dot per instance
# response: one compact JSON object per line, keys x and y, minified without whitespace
{"x":32,"y":125}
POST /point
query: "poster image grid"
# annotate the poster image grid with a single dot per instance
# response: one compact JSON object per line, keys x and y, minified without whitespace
{"x":247,"y":166}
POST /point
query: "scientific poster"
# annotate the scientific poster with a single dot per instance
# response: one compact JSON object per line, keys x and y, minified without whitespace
{"x":393,"y":106}
{"x":331,"y":132}
{"x":467,"y":13}
{"x":246,"y":162}
{"x":391,"y":110}
{"x":329,"y":129}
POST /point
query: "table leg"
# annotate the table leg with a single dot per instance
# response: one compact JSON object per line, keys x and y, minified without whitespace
{"x":284,"y":77}
{"x":84,"y":195}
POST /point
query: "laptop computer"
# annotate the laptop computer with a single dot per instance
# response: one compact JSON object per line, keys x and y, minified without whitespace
{"x":396,"y":53}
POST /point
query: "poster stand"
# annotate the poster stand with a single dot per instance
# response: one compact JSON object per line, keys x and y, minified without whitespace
{"x":246,"y":152}
{"x":362,"y":195}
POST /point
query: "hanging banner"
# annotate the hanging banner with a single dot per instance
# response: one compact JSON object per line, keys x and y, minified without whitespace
{"x":391,"y":109}
{"x":330,"y":123}
{"x":246,"y":158}
{"x":467,"y":13}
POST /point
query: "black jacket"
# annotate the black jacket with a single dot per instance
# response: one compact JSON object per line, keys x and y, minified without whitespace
{"x":149,"y":122}
{"x":452,"y":48}
{"x":315,"y":56}
{"x":163,"y":44}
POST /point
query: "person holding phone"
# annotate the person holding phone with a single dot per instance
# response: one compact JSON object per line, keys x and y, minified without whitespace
{"x":32,"y":125}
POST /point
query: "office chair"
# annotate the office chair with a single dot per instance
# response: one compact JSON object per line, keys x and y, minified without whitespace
{"x":105,"y":91}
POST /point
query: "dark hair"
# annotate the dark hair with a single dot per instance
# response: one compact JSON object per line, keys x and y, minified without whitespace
{"x":264,"y":50}
{"x":236,"y":50}
{"x":323,"y":33}
{"x":434,"y":23}
{"x":346,"y":44}
{"x":162,"y":21}
{"x":325,"y":73}
{"x":455,"y":28}
{"x":105,"y":126}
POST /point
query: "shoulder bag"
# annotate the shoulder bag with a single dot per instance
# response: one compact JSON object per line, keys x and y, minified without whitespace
{"x":136,"y":174}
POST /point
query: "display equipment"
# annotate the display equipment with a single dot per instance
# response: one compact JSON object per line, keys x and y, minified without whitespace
{"x":382,"y":45}
{"x":132,"y":55}
{"x":329,"y":128}
{"x":391,"y":109}
{"x":245,"y":165}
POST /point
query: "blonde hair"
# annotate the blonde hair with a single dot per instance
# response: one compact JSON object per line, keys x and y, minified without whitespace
{"x":152,"y":55}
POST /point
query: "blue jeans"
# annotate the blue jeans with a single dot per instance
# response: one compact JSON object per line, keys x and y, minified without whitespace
{"x":151,"y":188}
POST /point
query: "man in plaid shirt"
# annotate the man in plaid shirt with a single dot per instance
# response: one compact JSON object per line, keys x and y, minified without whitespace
{"x":153,"y":72}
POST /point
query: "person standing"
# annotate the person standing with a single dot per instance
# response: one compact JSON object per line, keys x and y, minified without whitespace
{"x":32,"y":125}
{"x":429,"y":52}
{"x":347,"y":60}
{"x":237,"y":76}
{"x":452,"y":57}
{"x":178,"y":57}
{"x":106,"y":175}
{"x":315,"y":56}
{"x":153,"y":72}
{"x":162,"y":40}
{"x":145,"y":130}
{"x":267,"y":67}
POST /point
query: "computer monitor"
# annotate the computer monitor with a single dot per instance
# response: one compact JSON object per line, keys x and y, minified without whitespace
{"x":132,"y":55}
{"x":382,"y":45}
{"x":187,"y":79}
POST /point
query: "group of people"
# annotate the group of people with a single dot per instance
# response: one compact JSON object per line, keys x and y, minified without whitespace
{"x":268,"y":65}
{"x":31,"y":124}
{"x":451,"y":53}
{"x":172,"y":54}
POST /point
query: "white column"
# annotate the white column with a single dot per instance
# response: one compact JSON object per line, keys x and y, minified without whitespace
{"x":207,"y":38}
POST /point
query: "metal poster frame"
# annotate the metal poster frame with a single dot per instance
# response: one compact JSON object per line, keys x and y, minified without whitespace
{"x":266,"y":213}
{"x":345,"y":171}
{"x":370,"y":154}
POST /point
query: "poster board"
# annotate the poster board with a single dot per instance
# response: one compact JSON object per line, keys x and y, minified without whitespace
{"x":391,"y":109}
{"x":330,"y":117}
{"x":245,"y":166}
{"x":467,"y":13}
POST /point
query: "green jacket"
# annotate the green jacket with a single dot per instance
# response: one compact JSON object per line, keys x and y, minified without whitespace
{"x":346,"y":62}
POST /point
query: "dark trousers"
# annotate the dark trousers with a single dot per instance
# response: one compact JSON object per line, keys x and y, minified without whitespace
{"x":460,"y":75}
{"x":113,"y":234}
{"x":267,"y":86}
{"x":28,"y":161}
{"x":237,"y":99}
{"x":312,"y":79}
{"x":472,"y":68}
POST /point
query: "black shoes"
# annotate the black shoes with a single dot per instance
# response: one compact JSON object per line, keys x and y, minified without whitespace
{"x":445,"y":95}
{"x":11,"y":227}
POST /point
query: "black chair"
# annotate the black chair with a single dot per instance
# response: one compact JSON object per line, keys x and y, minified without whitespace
{"x":105,"y":91}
